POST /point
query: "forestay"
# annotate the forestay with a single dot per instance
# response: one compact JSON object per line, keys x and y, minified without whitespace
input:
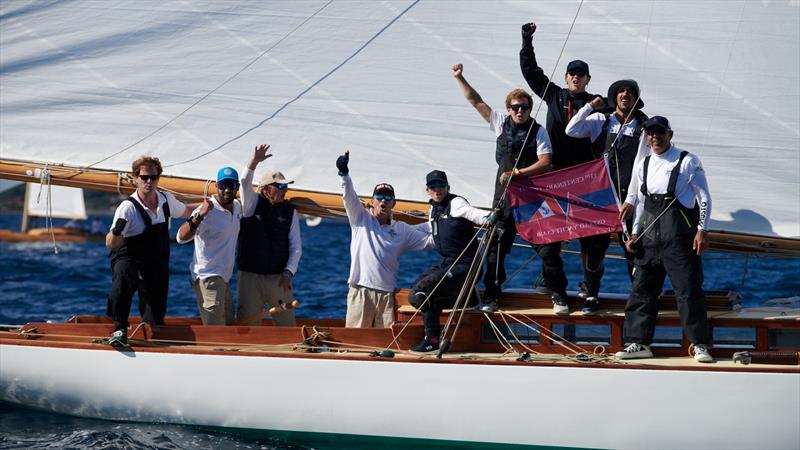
{"x":200,"y":83}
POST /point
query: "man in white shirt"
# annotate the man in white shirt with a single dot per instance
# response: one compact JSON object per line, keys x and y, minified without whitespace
{"x":522,"y":150}
{"x":270,"y":246}
{"x":139,"y":243}
{"x":451,"y":221}
{"x":618,"y":137}
{"x":214,"y":227}
{"x":669,"y":234}
{"x":376,"y":244}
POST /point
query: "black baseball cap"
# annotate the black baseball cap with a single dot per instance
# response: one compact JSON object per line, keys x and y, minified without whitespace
{"x":657,"y":122}
{"x":383,"y":187}
{"x":578,"y":65}
{"x":436,"y":176}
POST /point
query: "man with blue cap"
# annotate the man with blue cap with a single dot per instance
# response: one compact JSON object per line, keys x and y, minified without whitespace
{"x":214,"y":227}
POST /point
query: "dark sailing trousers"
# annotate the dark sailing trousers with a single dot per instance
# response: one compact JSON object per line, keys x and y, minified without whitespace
{"x":151,"y":280}
{"x":444,"y":296}
{"x":593,"y":254}
{"x":685,"y":270}
{"x":552,"y":264}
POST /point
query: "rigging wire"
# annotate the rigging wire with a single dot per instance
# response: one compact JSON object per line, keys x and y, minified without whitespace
{"x":211,"y":92}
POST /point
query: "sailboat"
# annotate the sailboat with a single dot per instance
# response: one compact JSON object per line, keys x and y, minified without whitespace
{"x":88,"y":87}
{"x":54,"y":202}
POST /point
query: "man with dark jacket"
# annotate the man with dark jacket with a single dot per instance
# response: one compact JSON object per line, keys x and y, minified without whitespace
{"x":269,"y":245}
{"x":562,"y":104}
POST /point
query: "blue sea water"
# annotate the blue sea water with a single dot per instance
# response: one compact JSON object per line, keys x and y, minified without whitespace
{"x":37,"y":284}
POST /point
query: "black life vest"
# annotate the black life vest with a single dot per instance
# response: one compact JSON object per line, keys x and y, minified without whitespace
{"x":620,"y":153}
{"x":263,"y":245}
{"x":509,"y":149}
{"x":675,"y":226}
{"x":567,"y":151}
{"x":452,"y":234}
{"x":152,"y":245}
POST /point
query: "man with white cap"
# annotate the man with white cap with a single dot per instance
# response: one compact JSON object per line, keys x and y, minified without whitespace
{"x":269,"y":245}
{"x":214,"y":227}
{"x":376,"y":244}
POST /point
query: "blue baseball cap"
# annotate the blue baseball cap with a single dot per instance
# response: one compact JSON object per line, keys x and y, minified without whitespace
{"x":227,"y":173}
{"x":657,"y":122}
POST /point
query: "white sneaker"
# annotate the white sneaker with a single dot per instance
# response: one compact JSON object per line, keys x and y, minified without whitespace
{"x":560,"y":305}
{"x":701,"y":354}
{"x":635,"y":351}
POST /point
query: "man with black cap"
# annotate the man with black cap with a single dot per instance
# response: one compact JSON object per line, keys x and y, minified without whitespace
{"x":669,"y":234}
{"x":618,"y":137}
{"x":214,"y":227}
{"x":269,"y":248}
{"x":139,"y":243}
{"x":451,"y":222}
{"x":522,"y":149}
{"x":376,"y":244}
{"x":562,"y":105}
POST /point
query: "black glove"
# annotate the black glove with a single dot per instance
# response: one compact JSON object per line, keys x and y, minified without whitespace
{"x":341,"y":163}
{"x":527,"y":30}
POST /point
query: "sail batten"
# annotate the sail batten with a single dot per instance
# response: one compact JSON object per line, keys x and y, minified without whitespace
{"x":84,"y":81}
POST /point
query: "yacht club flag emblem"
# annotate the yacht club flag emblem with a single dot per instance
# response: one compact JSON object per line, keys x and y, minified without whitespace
{"x":565,"y":204}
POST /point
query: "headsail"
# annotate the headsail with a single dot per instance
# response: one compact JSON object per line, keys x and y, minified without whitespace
{"x":199,"y":84}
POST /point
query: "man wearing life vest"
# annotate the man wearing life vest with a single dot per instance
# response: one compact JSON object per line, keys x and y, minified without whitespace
{"x":377,"y":242}
{"x":562,"y":105}
{"x":451,"y":222}
{"x":214,"y":227}
{"x":669,"y":234}
{"x":270,"y":246}
{"x":139,"y":243}
{"x":522,"y":150}
{"x":618,"y":137}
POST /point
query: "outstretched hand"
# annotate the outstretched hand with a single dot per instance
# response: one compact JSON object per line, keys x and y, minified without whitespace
{"x":341,"y":163}
{"x":457,"y":69}
{"x":259,"y":155}
{"x":528,"y":29}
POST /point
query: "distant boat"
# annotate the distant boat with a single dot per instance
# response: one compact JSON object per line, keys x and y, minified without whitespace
{"x":51,"y":202}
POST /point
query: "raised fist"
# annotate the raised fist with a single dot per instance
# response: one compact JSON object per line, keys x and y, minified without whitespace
{"x":341,"y":163}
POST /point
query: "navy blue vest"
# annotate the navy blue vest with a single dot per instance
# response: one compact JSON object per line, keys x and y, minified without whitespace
{"x":264,"y":238}
{"x":452,"y":234}
{"x":509,"y":149}
{"x":152,"y":245}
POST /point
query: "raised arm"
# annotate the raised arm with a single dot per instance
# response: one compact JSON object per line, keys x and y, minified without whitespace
{"x":352,"y":204}
{"x":587,"y":123}
{"x":249,"y":196}
{"x":533,"y":74}
{"x":471,"y":94}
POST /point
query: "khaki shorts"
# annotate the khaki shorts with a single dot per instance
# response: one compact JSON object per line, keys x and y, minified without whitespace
{"x":369,"y":308}
{"x":214,"y":300}
{"x":256,"y":290}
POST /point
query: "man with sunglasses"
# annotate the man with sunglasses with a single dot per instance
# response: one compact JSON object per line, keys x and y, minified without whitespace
{"x":619,"y":138}
{"x":522,"y":150}
{"x":270,"y":245}
{"x":669,"y":234}
{"x":214,"y":227}
{"x":376,"y":243}
{"x":562,"y":105}
{"x":451,"y":222}
{"x":139,"y":243}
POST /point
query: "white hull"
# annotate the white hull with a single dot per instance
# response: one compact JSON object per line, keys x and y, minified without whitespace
{"x":550,"y":406}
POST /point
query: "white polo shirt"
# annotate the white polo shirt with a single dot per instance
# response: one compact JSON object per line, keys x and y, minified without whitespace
{"x":215,"y":242}
{"x":135,"y":226}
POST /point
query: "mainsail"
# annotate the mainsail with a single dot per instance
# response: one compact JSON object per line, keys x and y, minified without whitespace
{"x":199,"y":84}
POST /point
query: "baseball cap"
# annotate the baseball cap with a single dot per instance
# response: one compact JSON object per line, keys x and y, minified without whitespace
{"x":657,"y":122}
{"x":436,"y":176}
{"x":578,"y":65}
{"x":383,"y":187}
{"x":271,"y":177}
{"x":227,"y":173}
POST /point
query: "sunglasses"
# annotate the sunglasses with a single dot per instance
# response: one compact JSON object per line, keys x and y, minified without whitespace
{"x":229,"y":185}
{"x":576,"y":73}
{"x":387,"y":197}
{"x":147,"y":178}
{"x":656,"y":131}
{"x":437,"y":185}
{"x":281,"y":186}
{"x":522,"y":106}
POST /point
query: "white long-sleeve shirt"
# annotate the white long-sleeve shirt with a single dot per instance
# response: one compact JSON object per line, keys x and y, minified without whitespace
{"x":460,"y":207}
{"x":691,"y":185}
{"x":215,"y":242}
{"x":375,"y":249}
{"x":587,"y":123}
{"x":249,"y":203}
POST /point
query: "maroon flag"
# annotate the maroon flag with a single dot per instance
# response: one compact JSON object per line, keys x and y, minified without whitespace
{"x":566,"y":204}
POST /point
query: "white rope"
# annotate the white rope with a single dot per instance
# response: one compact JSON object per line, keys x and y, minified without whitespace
{"x":45,"y":181}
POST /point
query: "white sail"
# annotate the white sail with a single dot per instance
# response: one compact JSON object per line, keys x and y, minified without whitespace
{"x":63,"y":203}
{"x":200,"y":83}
